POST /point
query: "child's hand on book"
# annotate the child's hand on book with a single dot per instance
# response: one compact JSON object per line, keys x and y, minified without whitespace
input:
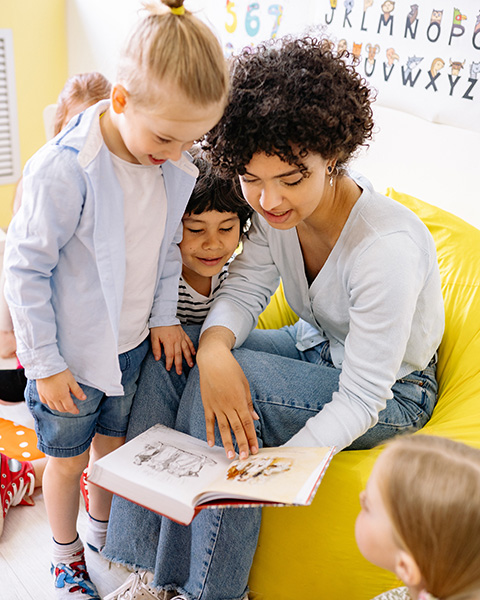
{"x":176,"y":345}
{"x":56,"y":392}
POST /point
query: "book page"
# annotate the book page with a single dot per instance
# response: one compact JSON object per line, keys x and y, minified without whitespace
{"x":160,"y":466}
{"x":278,"y":475}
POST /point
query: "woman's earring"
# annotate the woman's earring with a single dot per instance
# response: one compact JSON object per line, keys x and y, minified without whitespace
{"x":330,"y":172}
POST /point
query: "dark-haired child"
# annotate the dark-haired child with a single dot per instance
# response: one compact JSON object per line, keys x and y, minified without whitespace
{"x":214,"y":220}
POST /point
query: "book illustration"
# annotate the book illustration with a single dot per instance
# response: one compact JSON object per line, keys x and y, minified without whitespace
{"x":257,"y":468}
{"x":163,"y":457}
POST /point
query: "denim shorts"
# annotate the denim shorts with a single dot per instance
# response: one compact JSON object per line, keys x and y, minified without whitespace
{"x":64,"y":434}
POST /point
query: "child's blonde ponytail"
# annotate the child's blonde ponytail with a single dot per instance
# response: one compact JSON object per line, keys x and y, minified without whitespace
{"x":172,"y":45}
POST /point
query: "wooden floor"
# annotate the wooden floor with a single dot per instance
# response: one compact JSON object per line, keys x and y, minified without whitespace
{"x":25,"y":545}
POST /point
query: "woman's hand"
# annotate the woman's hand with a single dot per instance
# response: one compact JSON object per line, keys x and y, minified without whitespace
{"x":176,"y":345}
{"x":225,"y":393}
{"x":56,"y":392}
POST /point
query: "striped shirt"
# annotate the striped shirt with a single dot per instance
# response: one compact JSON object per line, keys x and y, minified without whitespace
{"x":192,"y":307}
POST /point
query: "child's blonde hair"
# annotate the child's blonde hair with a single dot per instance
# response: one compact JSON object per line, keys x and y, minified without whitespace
{"x":175,"y":47}
{"x":431,"y":490}
{"x":85,"y":88}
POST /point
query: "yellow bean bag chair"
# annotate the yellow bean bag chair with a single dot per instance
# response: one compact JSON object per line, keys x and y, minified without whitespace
{"x":310,"y":552}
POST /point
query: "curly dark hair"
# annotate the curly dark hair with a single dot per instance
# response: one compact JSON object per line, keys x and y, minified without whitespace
{"x":213,"y":192}
{"x":289,"y":97}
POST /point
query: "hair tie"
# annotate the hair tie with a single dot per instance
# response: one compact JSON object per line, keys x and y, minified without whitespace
{"x":180,"y":10}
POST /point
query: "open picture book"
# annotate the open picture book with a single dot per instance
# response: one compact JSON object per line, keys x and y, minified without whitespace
{"x":177,"y":475}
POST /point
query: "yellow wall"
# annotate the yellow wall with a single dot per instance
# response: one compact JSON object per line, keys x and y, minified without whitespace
{"x":40,"y":53}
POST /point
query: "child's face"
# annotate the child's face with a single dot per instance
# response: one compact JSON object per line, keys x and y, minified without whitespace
{"x":151,"y":137}
{"x":373,"y":528}
{"x":209,"y":240}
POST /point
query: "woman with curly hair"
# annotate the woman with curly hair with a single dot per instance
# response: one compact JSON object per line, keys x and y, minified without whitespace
{"x":359,"y":270}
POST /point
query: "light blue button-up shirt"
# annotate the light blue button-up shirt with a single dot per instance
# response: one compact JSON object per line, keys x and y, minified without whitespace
{"x":65,"y":256}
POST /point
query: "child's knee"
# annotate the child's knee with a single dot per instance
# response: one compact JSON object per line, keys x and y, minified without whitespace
{"x":70,"y":467}
{"x":104,"y":444}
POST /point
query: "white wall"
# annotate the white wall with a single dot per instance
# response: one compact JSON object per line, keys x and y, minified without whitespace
{"x":97,"y":28}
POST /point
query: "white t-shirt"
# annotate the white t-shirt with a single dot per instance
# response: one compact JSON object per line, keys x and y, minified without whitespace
{"x":145,"y":212}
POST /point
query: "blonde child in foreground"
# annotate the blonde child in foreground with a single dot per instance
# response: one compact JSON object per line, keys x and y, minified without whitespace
{"x":99,"y":269}
{"x":20,"y":478}
{"x":420,"y":518}
{"x":215,"y":219}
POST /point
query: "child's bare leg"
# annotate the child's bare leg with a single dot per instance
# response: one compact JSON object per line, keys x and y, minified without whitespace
{"x":99,"y":499}
{"x":61,"y":490}
{"x":39,"y":465}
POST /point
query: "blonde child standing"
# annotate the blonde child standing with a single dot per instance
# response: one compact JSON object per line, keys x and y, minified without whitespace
{"x":92,"y":261}
{"x":420,"y":518}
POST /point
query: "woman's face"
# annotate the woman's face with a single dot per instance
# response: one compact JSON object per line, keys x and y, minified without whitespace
{"x":281,"y":193}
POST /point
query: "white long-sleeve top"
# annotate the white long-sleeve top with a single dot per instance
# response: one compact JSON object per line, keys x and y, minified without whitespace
{"x":377,"y":300}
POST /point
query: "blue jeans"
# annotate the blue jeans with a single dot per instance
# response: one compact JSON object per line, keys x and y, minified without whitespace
{"x":64,"y":434}
{"x":211,"y":558}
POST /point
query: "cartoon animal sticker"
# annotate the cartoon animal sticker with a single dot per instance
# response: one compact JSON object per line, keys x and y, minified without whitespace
{"x":342,"y":47}
{"x":357,"y":50}
{"x":456,"y":66}
{"x":475,"y":70}
{"x":386,"y":17}
{"x":407,"y":71}
{"x":370,"y":60}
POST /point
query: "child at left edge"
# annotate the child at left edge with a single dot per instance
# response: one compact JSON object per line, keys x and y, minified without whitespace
{"x":92,"y":262}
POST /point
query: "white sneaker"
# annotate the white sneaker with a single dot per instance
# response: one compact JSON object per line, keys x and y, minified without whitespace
{"x":136,"y":588}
